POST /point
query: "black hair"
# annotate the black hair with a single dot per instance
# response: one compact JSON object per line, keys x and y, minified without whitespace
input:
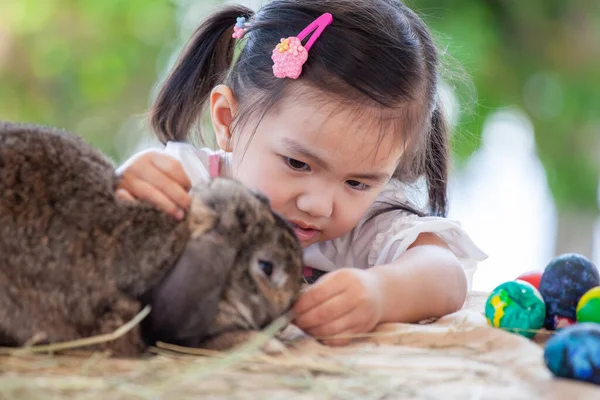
{"x":377,"y":54}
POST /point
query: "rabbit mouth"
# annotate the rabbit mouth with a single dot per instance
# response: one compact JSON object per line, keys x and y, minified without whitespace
{"x":246,"y":319}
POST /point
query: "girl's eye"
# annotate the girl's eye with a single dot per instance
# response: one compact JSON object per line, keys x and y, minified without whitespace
{"x":357,"y":185}
{"x":296,"y":165}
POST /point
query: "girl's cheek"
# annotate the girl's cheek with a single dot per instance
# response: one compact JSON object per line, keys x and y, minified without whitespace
{"x":267,"y":179}
{"x":349,"y":215}
{"x":276,"y":189}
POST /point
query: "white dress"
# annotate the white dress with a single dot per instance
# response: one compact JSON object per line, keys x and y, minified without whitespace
{"x":377,"y":241}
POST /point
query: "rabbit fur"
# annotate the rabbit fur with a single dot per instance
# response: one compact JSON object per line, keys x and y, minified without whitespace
{"x":76,"y":261}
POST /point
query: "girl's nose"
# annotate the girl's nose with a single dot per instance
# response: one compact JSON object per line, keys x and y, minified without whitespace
{"x":317,"y":202}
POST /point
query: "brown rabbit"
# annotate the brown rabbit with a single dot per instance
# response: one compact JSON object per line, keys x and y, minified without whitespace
{"x":76,"y":261}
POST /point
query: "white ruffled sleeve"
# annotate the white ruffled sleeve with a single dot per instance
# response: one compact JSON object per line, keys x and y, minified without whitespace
{"x":403,"y":229}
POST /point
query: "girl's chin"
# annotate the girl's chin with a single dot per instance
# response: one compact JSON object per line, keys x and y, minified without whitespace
{"x":305,"y":244}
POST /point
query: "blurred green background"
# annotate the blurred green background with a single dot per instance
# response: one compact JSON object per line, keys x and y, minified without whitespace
{"x":92,"y":67}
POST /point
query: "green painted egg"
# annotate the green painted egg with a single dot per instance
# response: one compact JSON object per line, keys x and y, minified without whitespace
{"x":588,"y":308}
{"x":516,"y":306}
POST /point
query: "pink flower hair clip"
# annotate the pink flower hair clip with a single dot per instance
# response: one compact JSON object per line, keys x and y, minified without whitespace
{"x":289,"y":55}
{"x":239,"y":30}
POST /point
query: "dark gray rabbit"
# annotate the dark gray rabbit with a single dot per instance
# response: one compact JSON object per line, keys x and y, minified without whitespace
{"x":76,"y":261}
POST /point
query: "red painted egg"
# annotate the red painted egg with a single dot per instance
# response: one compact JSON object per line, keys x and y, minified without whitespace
{"x":532,"y":277}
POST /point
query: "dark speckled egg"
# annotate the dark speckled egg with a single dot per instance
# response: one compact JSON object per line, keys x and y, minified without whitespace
{"x":564,"y":281}
{"x":574,"y":353}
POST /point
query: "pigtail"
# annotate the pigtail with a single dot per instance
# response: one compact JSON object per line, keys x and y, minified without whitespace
{"x":434,"y":162}
{"x":437,"y":157}
{"x":204,"y":64}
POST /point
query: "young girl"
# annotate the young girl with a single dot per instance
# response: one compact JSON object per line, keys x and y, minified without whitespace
{"x":333,"y":123}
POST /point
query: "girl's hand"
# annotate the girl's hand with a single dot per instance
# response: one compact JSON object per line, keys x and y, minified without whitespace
{"x":156,"y":178}
{"x":346,"y":301}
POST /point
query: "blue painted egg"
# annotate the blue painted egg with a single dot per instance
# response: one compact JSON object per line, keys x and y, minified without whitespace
{"x":574,"y":353}
{"x":564,"y":281}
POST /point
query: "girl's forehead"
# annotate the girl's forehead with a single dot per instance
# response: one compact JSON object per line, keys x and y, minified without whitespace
{"x":339,"y":127}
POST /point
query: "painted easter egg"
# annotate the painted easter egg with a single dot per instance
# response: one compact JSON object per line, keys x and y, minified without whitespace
{"x":532,"y":277}
{"x":564,"y":281}
{"x":574,"y":353}
{"x":588,"y":308}
{"x":516,"y":306}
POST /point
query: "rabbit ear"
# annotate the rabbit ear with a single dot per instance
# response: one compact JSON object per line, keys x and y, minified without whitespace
{"x":185,"y":303}
{"x":264,"y":199}
{"x":202,"y":217}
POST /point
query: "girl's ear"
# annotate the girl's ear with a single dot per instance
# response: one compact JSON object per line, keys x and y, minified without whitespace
{"x":223,"y":108}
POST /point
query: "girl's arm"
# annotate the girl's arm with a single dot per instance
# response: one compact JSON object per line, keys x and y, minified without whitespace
{"x":425,"y":281}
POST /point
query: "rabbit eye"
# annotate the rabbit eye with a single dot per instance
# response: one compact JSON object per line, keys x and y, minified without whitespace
{"x":266,"y":267}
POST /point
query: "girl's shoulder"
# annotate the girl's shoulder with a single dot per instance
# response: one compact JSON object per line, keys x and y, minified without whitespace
{"x":380,"y":238}
{"x":200,"y":163}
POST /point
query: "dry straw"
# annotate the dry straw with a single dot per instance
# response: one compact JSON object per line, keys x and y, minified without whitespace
{"x":306,"y":371}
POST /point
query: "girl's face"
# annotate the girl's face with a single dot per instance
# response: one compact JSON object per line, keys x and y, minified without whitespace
{"x":320,"y":166}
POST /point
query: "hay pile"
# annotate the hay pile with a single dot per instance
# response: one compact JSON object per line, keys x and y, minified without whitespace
{"x":455,"y":357}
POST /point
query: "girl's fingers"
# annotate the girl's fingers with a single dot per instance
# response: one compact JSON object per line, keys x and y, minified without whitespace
{"x":342,"y":341}
{"x":331,"y":310}
{"x":346,"y":324}
{"x":172,"y":168}
{"x":172,"y":190}
{"x":151,"y":194}
{"x":317,"y":294}
{"x":125,"y":195}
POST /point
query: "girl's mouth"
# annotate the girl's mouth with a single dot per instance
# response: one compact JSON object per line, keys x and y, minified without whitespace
{"x":304,"y":233}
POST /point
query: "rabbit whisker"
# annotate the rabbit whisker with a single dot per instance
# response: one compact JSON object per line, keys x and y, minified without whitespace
{"x":245,"y":312}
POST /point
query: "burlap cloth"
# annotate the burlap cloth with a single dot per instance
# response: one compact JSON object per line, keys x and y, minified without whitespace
{"x":456,"y":357}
